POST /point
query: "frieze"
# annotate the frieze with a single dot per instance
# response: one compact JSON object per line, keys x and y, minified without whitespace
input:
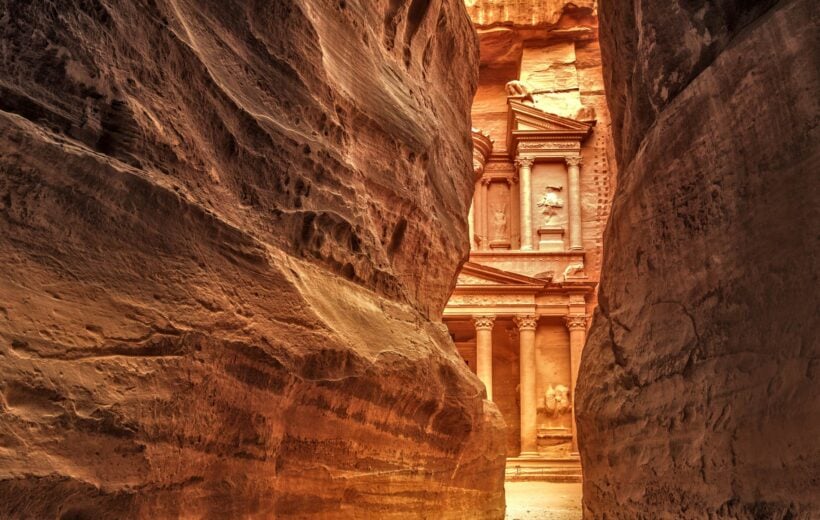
{"x":486,"y":300}
{"x":498,"y":167}
{"x":549,"y":145}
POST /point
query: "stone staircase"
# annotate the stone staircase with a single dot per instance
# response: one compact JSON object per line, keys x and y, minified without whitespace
{"x":546,"y":469}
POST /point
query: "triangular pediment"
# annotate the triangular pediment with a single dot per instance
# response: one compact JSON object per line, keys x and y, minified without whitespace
{"x":477,"y":275}
{"x":526,"y":117}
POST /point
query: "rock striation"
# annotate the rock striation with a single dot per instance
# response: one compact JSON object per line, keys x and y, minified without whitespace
{"x":228,"y":231}
{"x":699,"y":393}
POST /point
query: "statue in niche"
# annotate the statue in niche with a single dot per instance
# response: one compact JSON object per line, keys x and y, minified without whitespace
{"x":520,"y":90}
{"x":556,"y":400}
{"x":500,"y":222}
{"x":550,"y":203}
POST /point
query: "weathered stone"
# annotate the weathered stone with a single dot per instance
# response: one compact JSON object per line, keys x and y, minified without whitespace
{"x":699,"y":393}
{"x":228,"y":231}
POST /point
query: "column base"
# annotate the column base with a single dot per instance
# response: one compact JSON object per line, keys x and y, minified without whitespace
{"x":500,"y":244}
{"x":528,"y":455}
{"x":526,"y":248}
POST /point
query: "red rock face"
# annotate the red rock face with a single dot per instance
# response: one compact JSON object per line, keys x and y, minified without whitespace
{"x":699,"y":393}
{"x":228,"y":231}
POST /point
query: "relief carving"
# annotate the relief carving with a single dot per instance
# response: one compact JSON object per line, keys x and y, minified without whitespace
{"x":556,"y":400}
{"x":550,"y":203}
{"x":500,"y":222}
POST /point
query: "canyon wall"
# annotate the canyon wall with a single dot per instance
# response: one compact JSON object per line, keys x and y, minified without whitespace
{"x":228,"y":231}
{"x":699,"y":393}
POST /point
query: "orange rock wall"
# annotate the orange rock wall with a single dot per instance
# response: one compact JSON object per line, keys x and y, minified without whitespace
{"x":228,"y":232}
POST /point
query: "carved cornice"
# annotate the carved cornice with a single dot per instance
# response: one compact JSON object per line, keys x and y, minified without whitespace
{"x":526,"y":321}
{"x":574,"y":160}
{"x":523,"y":162}
{"x":483,"y":322}
{"x":576,"y":322}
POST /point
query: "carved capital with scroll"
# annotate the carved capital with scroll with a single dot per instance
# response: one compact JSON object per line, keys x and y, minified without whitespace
{"x":523,"y":162}
{"x":526,"y":321}
{"x":576,"y":322}
{"x":483,"y":322}
{"x":575,"y":160}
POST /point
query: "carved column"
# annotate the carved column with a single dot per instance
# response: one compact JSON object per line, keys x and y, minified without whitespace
{"x":528,"y":399}
{"x":484,"y":221}
{"x":478,"y":214}
{"x":576,"y":233}
{"x":577,"y":325}
{"x":484,"y":351}
{"x":471,"y":223}
{"x":525,"y":187}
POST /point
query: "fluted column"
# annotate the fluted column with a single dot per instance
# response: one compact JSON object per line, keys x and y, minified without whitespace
{"x":576,"y":232}
{"x":525,"y":187}
{"x":577,"y":325}
{"x":529,"y":402}
{"x":484,"y":351}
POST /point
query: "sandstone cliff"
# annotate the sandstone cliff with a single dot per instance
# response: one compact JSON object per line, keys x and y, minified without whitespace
{"x":228,"y":230}
{"x":699,"y":393}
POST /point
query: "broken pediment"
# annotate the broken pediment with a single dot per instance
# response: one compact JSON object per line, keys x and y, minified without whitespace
{"x":473,"y":275}
{"x":530,"y":124}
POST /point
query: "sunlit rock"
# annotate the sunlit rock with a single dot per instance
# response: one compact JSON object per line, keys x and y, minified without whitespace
{"x":229,"y":230}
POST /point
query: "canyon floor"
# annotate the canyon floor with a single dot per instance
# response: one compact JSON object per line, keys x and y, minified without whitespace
{"x":543,"y":501}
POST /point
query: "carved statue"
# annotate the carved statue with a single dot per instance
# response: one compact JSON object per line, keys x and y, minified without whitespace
{"x":574,"y":270}
{"x":519,"y":89}
{"x":556,"y":400}
{"x":550,"y":203}
{"x":500,"y":223}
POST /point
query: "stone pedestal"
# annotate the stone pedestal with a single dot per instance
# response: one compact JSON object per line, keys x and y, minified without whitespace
{"x":551,"y":239}
{"x":500,"y":244}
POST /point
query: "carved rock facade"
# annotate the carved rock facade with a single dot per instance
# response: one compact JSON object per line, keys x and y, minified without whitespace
{"x":699,"y":393}
{"x":229,"y":230}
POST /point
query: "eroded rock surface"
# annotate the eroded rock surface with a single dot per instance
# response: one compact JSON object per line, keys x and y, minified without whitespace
{"x":699,"y":393}
{"x":228,"y":231}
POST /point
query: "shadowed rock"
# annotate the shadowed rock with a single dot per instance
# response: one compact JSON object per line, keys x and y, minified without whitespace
{"x":699,"y":393}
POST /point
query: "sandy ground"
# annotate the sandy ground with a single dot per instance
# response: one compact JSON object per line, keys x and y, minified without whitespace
{"x":543,"y":501}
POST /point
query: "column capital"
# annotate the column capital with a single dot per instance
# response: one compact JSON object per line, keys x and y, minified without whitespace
{"x":526,"y":321}
{"x":484,"y":322}
{"x":574,"y":160}
{"x":524,"y":162}
{"x":576,"y":321}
